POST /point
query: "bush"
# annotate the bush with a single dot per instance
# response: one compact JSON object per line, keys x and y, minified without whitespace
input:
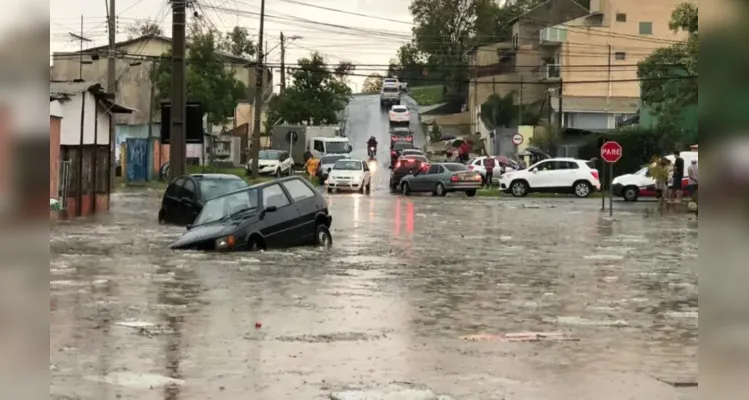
{"x":639,"y":145}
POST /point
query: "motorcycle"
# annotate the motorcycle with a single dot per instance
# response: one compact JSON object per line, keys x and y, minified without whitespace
{"x":372,"y":152}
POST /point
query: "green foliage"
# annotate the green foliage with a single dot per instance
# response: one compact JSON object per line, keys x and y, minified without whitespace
{"x":546,"y":138}
{"x":372,"y":84}
{"x":210,"y":79}
{"x":666,"y":86}
{"x":146,"y":27}
{"x":316,"y":96}
{"x":498,"y":111}
{"x":237,"y":42}
{"x":410,"y":66}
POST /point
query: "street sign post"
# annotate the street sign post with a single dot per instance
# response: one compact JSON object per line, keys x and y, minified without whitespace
{"x":611,"y":152}
{"x":517,"y":139}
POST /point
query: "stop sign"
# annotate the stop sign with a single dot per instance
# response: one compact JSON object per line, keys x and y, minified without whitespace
{"x":611,"y":151}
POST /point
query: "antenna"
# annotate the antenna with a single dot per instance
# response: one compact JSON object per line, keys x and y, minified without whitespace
{"x":81,"y":39}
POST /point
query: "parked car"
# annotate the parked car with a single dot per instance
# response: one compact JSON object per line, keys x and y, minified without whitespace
{"x":554,"y":175}
{"x":441,"y":179}
{"x":501,"y":165}
{"x":349,"y":175}
{"x":272,"y":162}
{"x":326,"y":164}
{"x":405,"y":165}
{"x":281,"y":213}
{"x":399,"y":115}
{"x":186,"y":195}
{"x":631,"y":187}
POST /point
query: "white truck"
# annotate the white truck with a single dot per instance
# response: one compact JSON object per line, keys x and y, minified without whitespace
{"x":321,"y":146}
{"x":390,"y":95}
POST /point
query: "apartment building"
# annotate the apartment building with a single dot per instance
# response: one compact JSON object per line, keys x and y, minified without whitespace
{"x":585,"y":53}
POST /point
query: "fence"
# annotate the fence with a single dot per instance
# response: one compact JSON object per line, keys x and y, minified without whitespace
{"x":63,"y":184}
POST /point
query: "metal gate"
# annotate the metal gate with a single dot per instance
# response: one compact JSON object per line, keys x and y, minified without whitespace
{"x":137,"y":160}
{"x":63,"y":184}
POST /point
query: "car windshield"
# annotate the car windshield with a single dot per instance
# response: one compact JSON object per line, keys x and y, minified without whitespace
{"x":337,"y":147}
{"x":402,"y":146}
{"x":330,"y":159}
{"x":399,"y":109}
{"x":210,"y":188}
{"x":228,"y":206}
{"x":348,"y":165}
{"x":401,"y":131}
{"x":390,"y":89}
{"x":269,"y":155}
{"x":455,"y":167}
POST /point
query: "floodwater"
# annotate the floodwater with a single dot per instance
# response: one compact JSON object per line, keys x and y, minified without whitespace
{"x":411,"y":302}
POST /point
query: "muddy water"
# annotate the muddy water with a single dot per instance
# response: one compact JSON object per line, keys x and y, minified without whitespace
{"x":383,"y":312}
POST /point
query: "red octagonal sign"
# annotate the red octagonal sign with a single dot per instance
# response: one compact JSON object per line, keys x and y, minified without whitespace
{"x":611,"y":151}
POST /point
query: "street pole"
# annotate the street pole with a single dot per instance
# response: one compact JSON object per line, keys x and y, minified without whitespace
{"x":151,"y":96}
{"x":561,"y":113}
{"x":111,"y":89}
{"x":283,"y":65}
{"x":611,"y":189}
{"x":520,"y":103}
{"x":179,"y":88}
{"x":259,"y":72}
{"x":81,"y":39}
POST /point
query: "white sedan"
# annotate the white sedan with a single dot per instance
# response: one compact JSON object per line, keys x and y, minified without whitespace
{"x":400,"y":113}
{"x":349,"y":175}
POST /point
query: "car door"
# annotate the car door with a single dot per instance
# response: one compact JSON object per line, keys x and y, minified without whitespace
{"x":566,"y":173}
{"x":304,"y":200}
{"x":541,"y":175}
{"x":171,"y":202}
{"x":278,"y":226}
{"x":428,"y":179}
{"x":318,"y":148}
{"x":190,"y":207}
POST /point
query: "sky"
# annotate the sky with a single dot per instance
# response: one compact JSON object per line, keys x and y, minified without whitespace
{"x":369,"y":41}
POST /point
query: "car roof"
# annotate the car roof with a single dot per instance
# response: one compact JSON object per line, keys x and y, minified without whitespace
{"x":413,"y":150}
{"x":349,"y":159}
{"x":448,"y":163}
{"x":214,"y":176}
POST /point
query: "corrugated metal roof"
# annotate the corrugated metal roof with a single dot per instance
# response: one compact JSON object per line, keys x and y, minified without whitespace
{"x":70,"y":88}
{"x":624,"y":105}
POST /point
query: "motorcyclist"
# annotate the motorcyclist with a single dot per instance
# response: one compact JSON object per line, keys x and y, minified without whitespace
{"x":372,"y":143}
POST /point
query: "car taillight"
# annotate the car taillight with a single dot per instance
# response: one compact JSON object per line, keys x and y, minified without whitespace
{"x":595,"y":174}
{"x":393,"y":138}
{"x":407,"y":113}
{"x":409,"y":138}
{"x":393,"y":152}
{"x":454,"y":178}
{"x":397,"y":165}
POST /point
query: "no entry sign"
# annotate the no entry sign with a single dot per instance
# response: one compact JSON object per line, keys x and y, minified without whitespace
{"x":611,"y":152}
{"x":517,"y":139}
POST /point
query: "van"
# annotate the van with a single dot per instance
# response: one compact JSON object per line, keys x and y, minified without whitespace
{"x":630,"y":187}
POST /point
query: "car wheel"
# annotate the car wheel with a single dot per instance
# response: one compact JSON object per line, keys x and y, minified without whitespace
{"x":519,"y":188}
{"x":631,"y":193}
{"x":440,"y":190}
{"x":161,"y":218}
{"x":254,"y":243}
{"x":323,"y":238}
{"x":361,"y":188}
{"x":330,"y":190}
{"x":582,"y":189}
{"x":368,"y":189}
{"x":405,"y":188}
{"x":470,"y":193}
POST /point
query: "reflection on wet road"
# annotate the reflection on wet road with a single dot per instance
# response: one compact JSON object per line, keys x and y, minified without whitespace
{"x":387,"y":306}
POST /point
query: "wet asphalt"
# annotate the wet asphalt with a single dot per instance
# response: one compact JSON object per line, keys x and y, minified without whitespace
{"x":410,"y":301}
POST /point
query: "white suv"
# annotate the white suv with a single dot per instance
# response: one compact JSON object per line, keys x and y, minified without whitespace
{"x":554,"y":175}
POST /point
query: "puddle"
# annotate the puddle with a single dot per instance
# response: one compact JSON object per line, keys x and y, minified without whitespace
{"x":136,"y":380}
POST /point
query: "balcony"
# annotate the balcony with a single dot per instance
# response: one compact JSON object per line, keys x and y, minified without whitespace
{"x":551,"y":72}
{"x":552,"y":36}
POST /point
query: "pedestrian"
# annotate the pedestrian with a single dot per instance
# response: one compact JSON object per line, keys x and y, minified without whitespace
{"x":489,"y":164}
{"x":307,"y":155}
{"x":678,"y":176}
{"x":463,"y":152}
{"x":692,"y":172}
{"x":659,"y":171}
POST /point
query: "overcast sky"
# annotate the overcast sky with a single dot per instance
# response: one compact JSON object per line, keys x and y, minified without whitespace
{"x":387,"y":27}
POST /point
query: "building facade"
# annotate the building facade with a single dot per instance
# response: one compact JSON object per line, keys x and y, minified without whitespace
{"x":578,"y":63}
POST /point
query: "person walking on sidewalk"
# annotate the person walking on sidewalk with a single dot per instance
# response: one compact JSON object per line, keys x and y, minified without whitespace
{"x":489,"y":164}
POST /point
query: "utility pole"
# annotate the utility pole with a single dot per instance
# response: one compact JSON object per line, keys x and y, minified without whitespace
{"x":561,"y":112}
{"x":151,"y":96}
{"x":520,"y":102}
{"x":112,"y":90}
{"x":476,"y":111}
{"x":283,"y":65}
{"x":81,"y":39}
{"x":259,"y":72}
{"x":177,"y":139}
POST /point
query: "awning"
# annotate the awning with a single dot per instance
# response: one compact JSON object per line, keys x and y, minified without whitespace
{"x":115,"y":108}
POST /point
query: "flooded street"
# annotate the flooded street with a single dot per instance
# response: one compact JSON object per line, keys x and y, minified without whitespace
{"x":413,"y":298}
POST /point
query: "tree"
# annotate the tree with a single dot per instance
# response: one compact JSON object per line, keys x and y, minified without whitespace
{"x":498,"y":111}
{"x":144,"y":27}
{"x":372,"y":84}
{"x":343,"y":69}
{"x":210,"y":80}
{"x":669,"y":74}
{"x":315,"y":97}
{"x":237,"y":42}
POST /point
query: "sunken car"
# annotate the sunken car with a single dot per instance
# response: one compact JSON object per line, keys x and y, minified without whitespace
{"x":278,"y":214}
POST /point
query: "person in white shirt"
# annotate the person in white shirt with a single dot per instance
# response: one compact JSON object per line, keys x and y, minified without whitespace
{"x":692,"y":172}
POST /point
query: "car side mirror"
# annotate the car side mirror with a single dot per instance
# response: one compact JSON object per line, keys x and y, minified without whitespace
{"x":268,"y":209}
{"x":329,"y":169}
{"x":534,"y":170}
{"x":350,"y":148}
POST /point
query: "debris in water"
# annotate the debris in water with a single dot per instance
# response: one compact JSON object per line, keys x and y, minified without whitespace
{"x":258,"y":325}
{"x":678,"y":383}
{"x":136,"y":380}
{"x":522,"y":337}
{"x":135,"y":324}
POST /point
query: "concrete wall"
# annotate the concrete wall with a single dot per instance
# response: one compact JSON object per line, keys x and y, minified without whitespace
{"x":54,"y":155}
{"x":585,"y":54}
{"x":93,"y":127}
{"x":133,"y":85}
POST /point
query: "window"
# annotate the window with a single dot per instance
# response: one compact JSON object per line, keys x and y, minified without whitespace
{"x":620,"y":55}
{"x":646,"y":28}
{"x":566,"y":165}
{"x":298,"y":190}
{"x":546,"y":166}
{"x":176,"y":187}
{"x":189,"y":189}
{"x":456,"y":167}
{"x":284,"y":156}
{"x":319,"y":146}
{"x":273,"y":195}
{"x":365,"y":166}
{"x":621,"y":17}
{"x":434,"y":169}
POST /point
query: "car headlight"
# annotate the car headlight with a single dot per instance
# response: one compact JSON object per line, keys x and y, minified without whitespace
{"x":225,"y":243}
